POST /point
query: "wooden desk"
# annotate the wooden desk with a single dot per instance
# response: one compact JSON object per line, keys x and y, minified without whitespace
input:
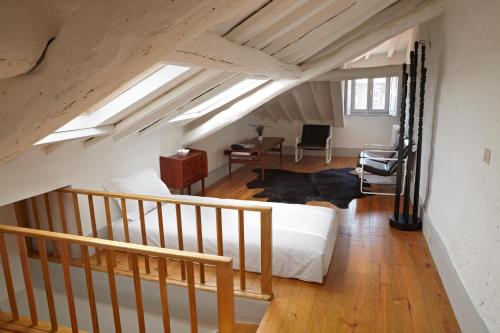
{"x":180,"y":172}
{"x":256,"y":153}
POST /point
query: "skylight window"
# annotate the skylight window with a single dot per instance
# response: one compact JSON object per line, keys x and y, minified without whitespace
{"x":128,"y":98}
{"x":221,"y":99}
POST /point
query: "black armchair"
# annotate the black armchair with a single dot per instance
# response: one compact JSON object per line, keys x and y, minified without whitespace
{"x":314,"y":137}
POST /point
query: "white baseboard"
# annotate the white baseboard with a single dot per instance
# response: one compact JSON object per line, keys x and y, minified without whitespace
{"x":467,"y":316}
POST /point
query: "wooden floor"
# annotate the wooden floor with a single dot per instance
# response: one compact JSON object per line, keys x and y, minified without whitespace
{"x":380,"y":279}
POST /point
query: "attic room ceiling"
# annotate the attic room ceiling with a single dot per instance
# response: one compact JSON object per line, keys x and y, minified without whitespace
{"x":104,"y":48}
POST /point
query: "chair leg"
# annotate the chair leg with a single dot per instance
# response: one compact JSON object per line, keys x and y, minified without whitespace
{"x":298,"y":154}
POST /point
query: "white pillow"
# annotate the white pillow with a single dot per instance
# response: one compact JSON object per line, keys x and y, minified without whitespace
{"x":144,"y":182}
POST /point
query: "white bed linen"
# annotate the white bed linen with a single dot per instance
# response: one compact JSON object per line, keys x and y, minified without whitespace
{"x":303,"y":236}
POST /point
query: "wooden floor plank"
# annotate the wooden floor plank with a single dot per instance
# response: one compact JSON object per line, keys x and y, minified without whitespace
{"x":380,"y":279}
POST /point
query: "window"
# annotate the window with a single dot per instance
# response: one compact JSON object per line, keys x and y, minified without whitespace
{"x":220,"y":99}
{"x":371,"y":96}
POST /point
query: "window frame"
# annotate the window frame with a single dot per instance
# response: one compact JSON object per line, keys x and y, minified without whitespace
{"x":370,"y":110}
{"x":350,"y":95}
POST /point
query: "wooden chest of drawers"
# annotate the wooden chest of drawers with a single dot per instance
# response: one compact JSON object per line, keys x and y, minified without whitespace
{"x":181,"y":172}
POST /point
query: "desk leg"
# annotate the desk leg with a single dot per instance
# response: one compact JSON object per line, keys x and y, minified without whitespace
{"x":229,"y":167}
{"x":281,"y":155}
{"x":262,"y":167}
{"x":189,"y":189}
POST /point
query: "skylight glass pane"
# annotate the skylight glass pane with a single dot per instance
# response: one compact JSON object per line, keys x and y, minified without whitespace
{"x":137,"y":92}
{"x":221,"y":99}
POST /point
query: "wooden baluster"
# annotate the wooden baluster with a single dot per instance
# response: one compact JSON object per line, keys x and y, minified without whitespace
{"x":138,"y":293}
{"x":94,"y":226}
{"x":42,"y":250}
{"x":266,"y":256}
{"x":112,"y":290}
{"x":90,"y":289}
{"x":199,"y":236}
{"x":162,"y":275}
{"x":241,"y":229}
{"x":220,"y":243}
{"x":62,"y":216}
{"x":180,"y":237}
{"x":143,"y":234}
{"x":160,"y":225}
{"x":50,"y":222}
{"x":108,"y":221}
{"x":23,"y":255}
{"x":192,"y":297}
{"x":23,"y":221}
{"x":67,"y":283}
{"x":78,"y":219}
{"x":225,"y":297}
{"x":8,"y":278}
{"x":125,"y":228}
{"x":36,"y":217}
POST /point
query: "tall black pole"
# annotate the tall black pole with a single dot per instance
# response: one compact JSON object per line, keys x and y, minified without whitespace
{"x":423,"y":79}
{"x":402,"y":120}
{"x":411,"y":122}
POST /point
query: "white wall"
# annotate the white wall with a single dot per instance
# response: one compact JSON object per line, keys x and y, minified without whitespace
{"x":464,"y":199}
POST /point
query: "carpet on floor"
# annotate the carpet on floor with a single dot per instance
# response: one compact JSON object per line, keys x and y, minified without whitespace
{"x":338,"y":186}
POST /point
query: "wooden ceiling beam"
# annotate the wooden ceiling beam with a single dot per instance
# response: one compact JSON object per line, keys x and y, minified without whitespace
{"x":169,"y":102}
{"x":352,"y":15}
{"x":285,"y":111}
{"x":299,"y":105}
{"x":316,"y":101}
{"x":394,"y":25}
{"x":210,"y":50}
{"x":357,"y":73}
{"x":263,"y":19}
{"x":292,"y":26}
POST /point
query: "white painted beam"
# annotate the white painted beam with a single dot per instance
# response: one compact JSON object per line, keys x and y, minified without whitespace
{"x":285,"y":111}
{"x":357,"y":73}
{"x":312,"y":89}
{"x":354,"y":13}
{"x":169,"y":102}
{"x":337,"y":103}
{"x":299,"y":105}
{"x":399,"y":21}
{"x":264,"y":18}
{"x":403,"y":16}
{"x":76,"y":134}
{"x":282,"y":32}
{"x":210,"y":50}
{"x":393,"y":44}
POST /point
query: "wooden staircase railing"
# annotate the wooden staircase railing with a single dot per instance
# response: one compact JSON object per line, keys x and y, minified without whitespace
{"x":204,"y":282}
{"x":223,"y":272}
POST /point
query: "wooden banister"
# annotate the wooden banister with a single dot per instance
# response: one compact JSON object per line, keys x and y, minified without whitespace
{"x":223,"y":270}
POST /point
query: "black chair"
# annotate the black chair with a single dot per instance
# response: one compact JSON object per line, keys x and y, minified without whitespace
{"x":383,"y":163}
{"x":314,"y":137}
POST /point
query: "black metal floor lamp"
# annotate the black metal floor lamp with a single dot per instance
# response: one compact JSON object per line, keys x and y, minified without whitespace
{"x":404,"y":220}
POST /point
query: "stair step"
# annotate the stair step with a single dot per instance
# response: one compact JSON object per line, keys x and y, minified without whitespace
{"x":241,"y":327}
{"x":23,"y":325}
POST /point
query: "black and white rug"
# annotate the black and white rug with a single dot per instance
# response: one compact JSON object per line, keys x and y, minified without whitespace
{"x":338,"y":186}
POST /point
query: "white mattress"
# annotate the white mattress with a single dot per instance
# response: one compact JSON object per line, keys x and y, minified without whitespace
{"x":303,"y":236}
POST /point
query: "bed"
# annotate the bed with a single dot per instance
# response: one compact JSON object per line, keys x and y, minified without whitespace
{"x":303,"y":237}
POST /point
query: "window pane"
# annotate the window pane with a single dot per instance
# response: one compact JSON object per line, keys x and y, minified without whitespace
{"x":379,"y":90}
{"x":393,"y":96}
{"x":361,"y":94}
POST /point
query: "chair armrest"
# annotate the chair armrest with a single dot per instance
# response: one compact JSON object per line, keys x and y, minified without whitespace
{"x":328,"y":140}
{"x":379,"y":151}
{"x":379,"y":146}
{"x":297,"y":140}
